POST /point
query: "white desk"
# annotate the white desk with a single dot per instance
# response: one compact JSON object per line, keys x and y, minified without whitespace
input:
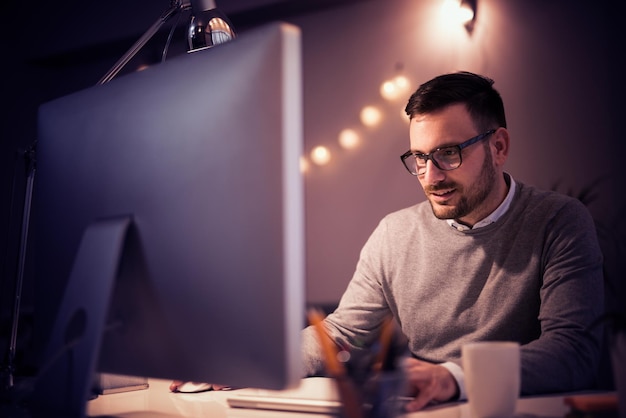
{"x":158,"y":401}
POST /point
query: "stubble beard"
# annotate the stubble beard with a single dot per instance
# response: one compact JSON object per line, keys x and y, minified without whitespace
{"x":470,"y":200}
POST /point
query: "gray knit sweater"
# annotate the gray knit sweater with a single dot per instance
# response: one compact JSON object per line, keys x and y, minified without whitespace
{"x":534,"y":276}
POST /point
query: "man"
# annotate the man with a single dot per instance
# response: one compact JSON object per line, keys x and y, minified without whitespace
{"x":485,"y":258}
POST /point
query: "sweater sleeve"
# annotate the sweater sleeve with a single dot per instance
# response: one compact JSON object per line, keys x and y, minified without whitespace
{"x":566,"y":355}
{"x":361,"y":311}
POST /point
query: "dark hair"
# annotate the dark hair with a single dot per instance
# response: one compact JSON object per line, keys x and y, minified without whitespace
{"x":483,"y":102}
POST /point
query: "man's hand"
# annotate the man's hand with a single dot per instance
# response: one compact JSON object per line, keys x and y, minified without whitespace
{"x":176,"y":386}
{"x":428,"y":382}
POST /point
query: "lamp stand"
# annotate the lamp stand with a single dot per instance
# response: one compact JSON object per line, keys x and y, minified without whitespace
{"x":29,"y":158}
{"x":175,"y":7}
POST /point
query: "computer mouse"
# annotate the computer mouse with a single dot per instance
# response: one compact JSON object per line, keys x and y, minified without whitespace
{"x":194,"y":387}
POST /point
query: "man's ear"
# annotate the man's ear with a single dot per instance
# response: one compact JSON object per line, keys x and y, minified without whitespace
{"x":500,"y":146}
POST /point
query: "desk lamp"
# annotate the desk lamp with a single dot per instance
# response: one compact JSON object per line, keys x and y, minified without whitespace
{"x":208,"y":27}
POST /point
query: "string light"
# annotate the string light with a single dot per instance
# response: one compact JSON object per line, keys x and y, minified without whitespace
{"x":349,"y":139}
{"x":370,"y":116}
{"x":395,"y":88}
{"x":320,"y":155}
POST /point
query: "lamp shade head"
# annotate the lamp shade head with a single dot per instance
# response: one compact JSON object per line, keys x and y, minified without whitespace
{"x":208,"y":28}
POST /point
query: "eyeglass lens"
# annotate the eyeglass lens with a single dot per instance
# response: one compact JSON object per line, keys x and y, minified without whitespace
{"x":446,"y":158}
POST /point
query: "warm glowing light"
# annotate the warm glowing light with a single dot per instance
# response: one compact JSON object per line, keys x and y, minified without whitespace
{"x":402,"y":82}
{"x":395,"y":88}
{"x":304,"y":165}
{"x":370,"y":116}
{"x":388,"y":90}
{"x":446,"y":29}
{"x":320,"y":155}
{"x":450,"y":7}
{"x":349,"y":139}
{"x":456,"y":12}
{"x":465,"y":13}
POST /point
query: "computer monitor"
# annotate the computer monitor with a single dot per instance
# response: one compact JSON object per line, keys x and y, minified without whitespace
{"x":170,"y":201}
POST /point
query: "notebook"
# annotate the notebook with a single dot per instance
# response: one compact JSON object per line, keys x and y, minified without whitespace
{"x":314,"y":394}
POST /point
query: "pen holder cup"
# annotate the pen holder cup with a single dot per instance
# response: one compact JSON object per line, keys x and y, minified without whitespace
{"x":383,"y":394}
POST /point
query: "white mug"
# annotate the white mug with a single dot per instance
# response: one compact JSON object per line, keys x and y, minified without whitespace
{"x":492,"y":378}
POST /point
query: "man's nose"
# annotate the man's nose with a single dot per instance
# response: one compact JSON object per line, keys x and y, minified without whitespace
{"x":433,"y":174}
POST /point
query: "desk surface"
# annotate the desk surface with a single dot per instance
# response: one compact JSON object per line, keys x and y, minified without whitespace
{"x":158,"y":401}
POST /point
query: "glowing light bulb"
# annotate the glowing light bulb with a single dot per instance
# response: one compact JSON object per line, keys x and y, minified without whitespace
{"x":388,"y":90}
{"x":401,"y":83}
{"x":465,"y":13}
{"x":349,"y":139}
{"x":394,"y":88}
{"x":370,"y":116}
{"x":320,"y":155}
{"x":457,"y":12}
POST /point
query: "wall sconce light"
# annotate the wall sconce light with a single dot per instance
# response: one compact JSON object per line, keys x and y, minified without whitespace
{"x":468,"y":10}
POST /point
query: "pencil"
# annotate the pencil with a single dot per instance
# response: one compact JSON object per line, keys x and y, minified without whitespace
{"x":329,"y":348}
{"x":351,"y":401}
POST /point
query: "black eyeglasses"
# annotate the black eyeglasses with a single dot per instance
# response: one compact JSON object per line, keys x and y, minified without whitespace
{"x":444,"y":158}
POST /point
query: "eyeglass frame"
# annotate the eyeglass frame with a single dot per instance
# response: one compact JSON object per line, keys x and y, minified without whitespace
{"x":429,"y":156}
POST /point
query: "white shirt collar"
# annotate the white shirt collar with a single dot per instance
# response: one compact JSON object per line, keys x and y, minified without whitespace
{"x":495,"y":215}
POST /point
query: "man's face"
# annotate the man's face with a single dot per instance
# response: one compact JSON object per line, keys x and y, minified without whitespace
{"x":466,"y":193}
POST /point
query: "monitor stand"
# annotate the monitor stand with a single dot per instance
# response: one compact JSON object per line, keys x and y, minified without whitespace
{"x":65,"y":378}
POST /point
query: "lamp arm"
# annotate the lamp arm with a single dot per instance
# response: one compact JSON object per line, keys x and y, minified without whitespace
{"x":175,"y":7}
